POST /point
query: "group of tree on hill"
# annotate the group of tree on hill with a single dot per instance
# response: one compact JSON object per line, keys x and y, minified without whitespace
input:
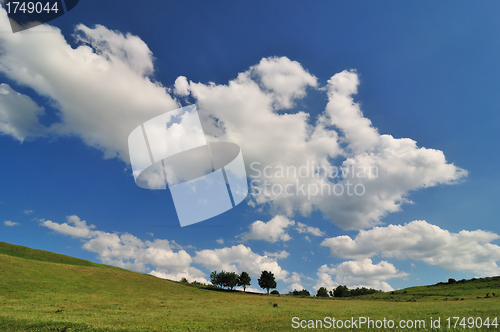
{"x":229,"y":280}
{"x":303,"y":292}
{"x":344,"y":291}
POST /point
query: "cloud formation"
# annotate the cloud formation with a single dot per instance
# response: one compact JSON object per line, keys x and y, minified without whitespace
{"x":127,"y":251}
{"x":469,"y":251}
{"x":278,"y":255}
{"x":163,"y":258}
{"x":272,"y":231}
{"x":237,"y":259}
{"x":19,"y":114}
{"x":103,"y":90}
{"x":303,"y":228}
{"x":358,"y":273}
{"x":10,"y":223}
{"x":74,"y":227}
{"x":276,"y":230}
{"x":376,"y":174}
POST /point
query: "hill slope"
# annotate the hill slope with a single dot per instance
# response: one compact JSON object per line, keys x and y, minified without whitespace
{"x":41,"y":255}
{"x":42,"y":291}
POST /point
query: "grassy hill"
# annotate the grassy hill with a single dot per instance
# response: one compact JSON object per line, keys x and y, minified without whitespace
{"x":43,"y":291}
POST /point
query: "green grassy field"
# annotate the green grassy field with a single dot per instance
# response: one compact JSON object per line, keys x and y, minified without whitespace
{"x":43,"y":291}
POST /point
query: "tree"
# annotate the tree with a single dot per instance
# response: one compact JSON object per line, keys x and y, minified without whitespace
{"x":225,"y":279}
{"x":244,"y":280}
{"x":322,"y":292}
{"x":214,"y":279}
{"x":231,"y":280}
{"x":341,"y":291}
{"x":266,"y":281}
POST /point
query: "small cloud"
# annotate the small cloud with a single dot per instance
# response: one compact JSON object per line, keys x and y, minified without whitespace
{"x":175,"y":245}
{"x":28,"y":211}
{"x":181,"y":86}
{"x":303,"y":228}
{"x":150,"y":234}
{"x":10,"y":223}
{"x":307,"y":239}
{"x":74,"y":227}
{"x":277,"y":255}
{"x":220,"y":241}
{"x":272,"y":231}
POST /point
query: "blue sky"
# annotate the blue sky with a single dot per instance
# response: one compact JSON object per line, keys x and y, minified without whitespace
{"x":422,"y":70}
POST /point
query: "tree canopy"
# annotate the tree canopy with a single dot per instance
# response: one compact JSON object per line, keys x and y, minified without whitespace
{"x":244,"y":280}
{"x":230,"y":280}
{"x":322,"y":292}
{"x":267,"y":281}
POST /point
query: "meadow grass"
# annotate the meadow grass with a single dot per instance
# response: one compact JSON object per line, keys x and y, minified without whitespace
{"x":51,"y":295}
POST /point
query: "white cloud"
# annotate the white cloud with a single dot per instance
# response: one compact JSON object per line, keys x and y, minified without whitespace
{"x":285,"y":78}
{"x":469,"y":251}
{"x":358,"y":273}
{"x":10,"y":223}
{"x":74,"y":227}
{"x":220,"y":241}
{"x":19,"y":114}
{"x":129,"y":252}
{"x":28,"y":211}
{"x":295,"y":282}
{"x":103,"y":91}
{"x":190,"y":273}
{"x":238,"y":259}
{"x":400,"y":165}
{"x":272,"y":231}
{"x":392,"y":167}
{"x":181,"y":86}
{"x":278,"y":255}
{"x":303,"y":228}
{"x":101,"y":88}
